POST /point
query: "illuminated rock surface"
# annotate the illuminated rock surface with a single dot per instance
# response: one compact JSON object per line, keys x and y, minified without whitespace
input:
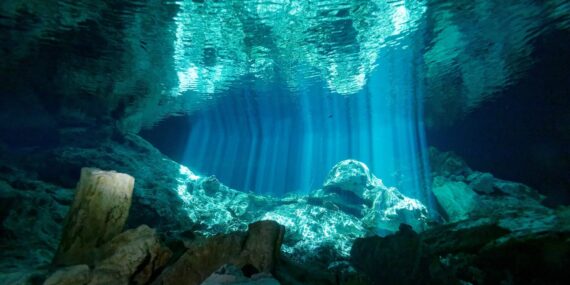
{"x":391,"y":208}
{"x":352,"y":176}
{"x":386,"y":206}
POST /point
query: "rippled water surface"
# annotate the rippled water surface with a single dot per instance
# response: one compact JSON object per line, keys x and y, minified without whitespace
{"x":205,"y":47}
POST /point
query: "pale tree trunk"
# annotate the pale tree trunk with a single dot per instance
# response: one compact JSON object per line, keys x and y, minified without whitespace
{"x":98,"y":213}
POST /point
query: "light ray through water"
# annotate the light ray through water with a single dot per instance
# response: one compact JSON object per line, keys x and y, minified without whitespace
{"x":277,"y":142}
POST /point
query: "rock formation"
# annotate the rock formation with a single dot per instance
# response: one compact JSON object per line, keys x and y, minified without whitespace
{"x":464,"y":193}
{"x":499,"y":234}
{"x":388,"y":207}
{"x":130,"y":258}
{"x":516,"y":248}
{"x":200,"y":228}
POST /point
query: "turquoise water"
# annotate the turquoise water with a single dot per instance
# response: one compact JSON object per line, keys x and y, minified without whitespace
{"x":324,"y":142}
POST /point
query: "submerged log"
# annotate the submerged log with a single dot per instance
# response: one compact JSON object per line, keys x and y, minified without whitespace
{"x":98,"y":213}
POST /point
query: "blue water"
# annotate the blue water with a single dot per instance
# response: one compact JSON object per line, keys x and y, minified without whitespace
{"x":274,"y":142}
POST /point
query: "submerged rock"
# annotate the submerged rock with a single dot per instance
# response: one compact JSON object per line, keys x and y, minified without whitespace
{"x":257,"y":249}
{"x":130,"y":258}
{"x":352,"y":176}
{"x":525,"y":247}
{"x":382,"y":208}
{"x":213,"y":219}
{"x":482,"y":182}
{"x":395,"y":259}
{"x":72,"y":275}
{"x":464,"y":193}
{"x":31,"y":219}
{"x":313,"y":230}
{"x":230,"y":274}
{"x":391,"y":208}
{"x":456,"y":198}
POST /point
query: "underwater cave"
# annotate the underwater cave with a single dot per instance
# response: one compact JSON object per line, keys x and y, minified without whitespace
{"x":338,"y":142}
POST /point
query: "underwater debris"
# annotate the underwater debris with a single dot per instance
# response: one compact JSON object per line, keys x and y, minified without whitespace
{"x":98,"y":213}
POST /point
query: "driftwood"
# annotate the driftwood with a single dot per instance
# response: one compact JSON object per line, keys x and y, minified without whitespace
{"x":98,"y":213}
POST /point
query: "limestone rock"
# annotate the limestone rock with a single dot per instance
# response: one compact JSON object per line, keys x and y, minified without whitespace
{"x":388,"y":207}
{"x":130,"y":258}
{"x":313,"y":232}
{"x":230,"y":274}
{"x":481,"y":182}
{"x":391,"y":208}
{"x":395,"y":259}
{"x":463,"y":193}
{"x":202,"y":258}
{"x":98,"y":213}
{"x":351,"y":176}
{"x":478,"y":250}
{"x":258,"y":248}
{"x":31,"y":217}
{"x":72,"y":275}
{"x":263,"y":244}
{"x":457,"y":199}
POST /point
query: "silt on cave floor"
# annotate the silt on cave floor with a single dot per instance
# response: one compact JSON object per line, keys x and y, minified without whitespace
{"x":198,"y":230}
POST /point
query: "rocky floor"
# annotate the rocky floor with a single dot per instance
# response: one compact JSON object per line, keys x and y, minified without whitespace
{"x":187,"y":229}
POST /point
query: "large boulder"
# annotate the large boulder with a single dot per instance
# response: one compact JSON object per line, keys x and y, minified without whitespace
{"x":463,"y":193}
{"x":263,"y":244}
{"x":381,"y":208}
{"x":351,"y":176}
{"x":391,"y":208}
{"x":456,"y":198}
